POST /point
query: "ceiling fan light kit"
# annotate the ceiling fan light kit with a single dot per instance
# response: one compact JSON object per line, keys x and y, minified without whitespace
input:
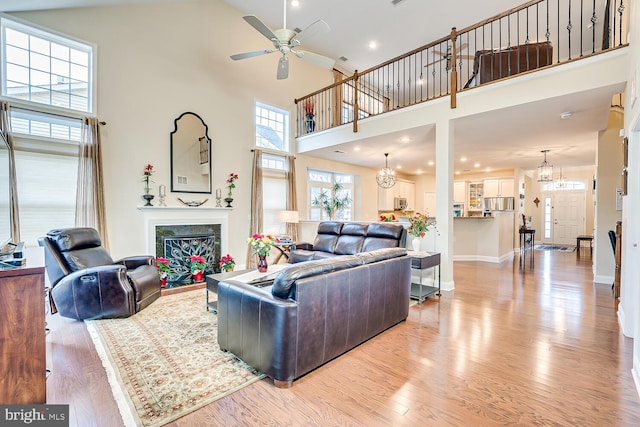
{"x":386,"y":177}
{"x":285,"y":41}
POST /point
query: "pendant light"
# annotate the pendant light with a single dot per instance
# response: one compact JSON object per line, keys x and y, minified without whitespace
{"x":386,"y":177}
{"x":562,"y":182}
{"x":545,"y":170}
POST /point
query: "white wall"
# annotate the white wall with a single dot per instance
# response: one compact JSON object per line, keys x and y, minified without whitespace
{"x":608,"y":178}
{"x":156,"y":61}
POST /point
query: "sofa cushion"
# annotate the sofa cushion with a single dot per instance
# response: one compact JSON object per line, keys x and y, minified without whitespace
{"x":300,"y":255}
{"x":284,"y":281}
{"x":385,"y":230}
{"x":330,"y":227}
{"x":351,"y":239}
{"x":381,"y":254}
{"x":325,"y":242}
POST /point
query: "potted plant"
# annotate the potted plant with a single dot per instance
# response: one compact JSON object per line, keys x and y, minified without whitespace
{"x":308,"y":107}
{"x":164,"y":271}
{"x":227,"y":263}
{"x":261,"y":245}
{"x":146,"y":178}
{"x":419,"y":225}
{"x":331,"y":201}
{"x":197,"y":264}
{"x":230,"y":186}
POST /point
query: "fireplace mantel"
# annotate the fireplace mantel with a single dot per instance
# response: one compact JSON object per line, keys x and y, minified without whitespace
{"x":183,"y":215}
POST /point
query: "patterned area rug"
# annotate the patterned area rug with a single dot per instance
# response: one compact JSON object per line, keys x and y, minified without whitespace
{"x":165,"y":362}
{"x":555,"y":248}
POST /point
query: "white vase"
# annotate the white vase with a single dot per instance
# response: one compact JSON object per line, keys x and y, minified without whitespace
{"x":415,"y":243}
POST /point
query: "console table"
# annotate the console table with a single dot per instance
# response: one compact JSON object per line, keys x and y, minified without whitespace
{"x":22,"y":332}
{"x":423,"y":261}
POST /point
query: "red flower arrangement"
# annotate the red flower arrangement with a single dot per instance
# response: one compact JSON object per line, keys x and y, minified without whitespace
{"x":230,"y":183}
{"x":146,"y":176}
{"x":227,"y":263}
{"x":197,"y":263}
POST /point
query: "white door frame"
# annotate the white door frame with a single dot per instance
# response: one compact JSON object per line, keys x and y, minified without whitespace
{"x":547,"y":236}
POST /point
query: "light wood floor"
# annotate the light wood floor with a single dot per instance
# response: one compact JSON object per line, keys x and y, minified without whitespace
{"x":509,"y":346}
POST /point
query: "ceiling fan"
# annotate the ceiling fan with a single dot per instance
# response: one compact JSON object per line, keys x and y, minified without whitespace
{"x":286,"y":41}
{"x":448,"y":56}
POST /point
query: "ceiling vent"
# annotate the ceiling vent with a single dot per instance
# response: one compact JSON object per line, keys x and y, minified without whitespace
{"x":343,"y":58}
{"x":395,"y":2}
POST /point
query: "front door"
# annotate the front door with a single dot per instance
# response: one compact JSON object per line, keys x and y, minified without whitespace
{"x":564,"y":217}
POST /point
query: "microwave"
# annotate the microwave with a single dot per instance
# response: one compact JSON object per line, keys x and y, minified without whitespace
{"x":399,"y":203}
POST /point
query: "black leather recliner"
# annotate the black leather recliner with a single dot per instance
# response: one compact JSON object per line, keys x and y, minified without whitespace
{"x":88,"y":284}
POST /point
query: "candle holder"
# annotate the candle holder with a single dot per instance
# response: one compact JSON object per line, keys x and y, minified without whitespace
{"x":218,"y":198}
{"x":161,"y":199}
{"x":162,"y":193}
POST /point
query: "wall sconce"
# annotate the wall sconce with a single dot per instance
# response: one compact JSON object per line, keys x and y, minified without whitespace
{"x":536,"y":201}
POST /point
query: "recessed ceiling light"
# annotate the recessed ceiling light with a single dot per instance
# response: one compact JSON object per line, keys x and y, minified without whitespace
{"x":420,"y":171}
{"x":356,"y":148}
{"x":405,"y":139}
{"x":399,"y":167}
{"x":373,"y":45}
{"x":431,"y":163}
{"x":295,"y":3}
{"x":463,"y":159}
{"x":487,"y":170}
{"x":476,"y":165}
{"x":457,"y":172}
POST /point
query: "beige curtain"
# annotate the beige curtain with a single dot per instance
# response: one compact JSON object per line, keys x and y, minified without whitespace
{"x":14,"y":213}
{"x":292,"y":197}
{"x":256,"y":205}
{"x":90,"y":208}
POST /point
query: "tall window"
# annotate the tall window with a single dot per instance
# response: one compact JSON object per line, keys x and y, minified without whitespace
{"x":48,"y":80}
{"x":325,"y":189}
{"x":272,"y":134}
{"x":274,"y":192}
{"x":272,"y":127}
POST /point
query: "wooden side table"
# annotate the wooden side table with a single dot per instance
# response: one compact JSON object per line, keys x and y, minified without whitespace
{"x":586,"y":238}
{"x":524,"y":232}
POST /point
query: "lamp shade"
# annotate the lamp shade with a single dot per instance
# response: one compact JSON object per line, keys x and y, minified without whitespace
{"x":288,"y":216}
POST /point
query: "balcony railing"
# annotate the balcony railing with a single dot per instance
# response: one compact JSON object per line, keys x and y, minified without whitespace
{"x":537,"y":35}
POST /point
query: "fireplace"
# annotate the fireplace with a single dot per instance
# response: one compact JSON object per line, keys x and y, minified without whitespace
{"x":177,"y":242}
{"x":175,"y":232}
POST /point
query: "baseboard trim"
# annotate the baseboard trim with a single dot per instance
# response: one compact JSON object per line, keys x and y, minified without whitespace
{"x":447,"y":286}
{"x":604,"y":279}
{"x":636,"y":378}
{"x":621,"y":320}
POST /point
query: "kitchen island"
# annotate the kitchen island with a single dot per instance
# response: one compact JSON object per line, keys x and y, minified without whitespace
{"x":484,"y":238}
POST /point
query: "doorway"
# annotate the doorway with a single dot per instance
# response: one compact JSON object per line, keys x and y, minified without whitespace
{"x":564,"y":217}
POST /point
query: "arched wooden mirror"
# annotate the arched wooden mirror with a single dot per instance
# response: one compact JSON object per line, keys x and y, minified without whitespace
{"x":190,"y":155}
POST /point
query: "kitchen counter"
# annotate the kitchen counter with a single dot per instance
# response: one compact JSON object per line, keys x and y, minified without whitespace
{"x":488,"y":239}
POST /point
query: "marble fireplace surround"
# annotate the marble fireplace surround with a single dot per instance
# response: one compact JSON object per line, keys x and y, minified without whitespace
{"x":154,"y":216}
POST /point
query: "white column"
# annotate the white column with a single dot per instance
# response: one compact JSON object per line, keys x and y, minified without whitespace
{"x":444,"y":199}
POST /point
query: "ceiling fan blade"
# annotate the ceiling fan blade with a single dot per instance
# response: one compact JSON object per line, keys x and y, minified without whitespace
{"x":256,"y":23}
{"x":463,"y":46}
{"x":250,"y":54}
{"x":283,"y":68}
{"x":443,"y":54}
{"x":435,"y":62}
{"x":314,"y":58}
{"x":469,"y":57}
{"x":313,"y":30}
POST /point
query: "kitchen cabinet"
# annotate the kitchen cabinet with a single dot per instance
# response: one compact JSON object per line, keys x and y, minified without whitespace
{"x":499,"y":187}
{"x":459,"y":191}
{"x":476,"y":192}
{"x":403,"y":188}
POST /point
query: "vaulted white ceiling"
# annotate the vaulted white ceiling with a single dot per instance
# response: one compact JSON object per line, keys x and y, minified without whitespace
{"x":397,"y":29}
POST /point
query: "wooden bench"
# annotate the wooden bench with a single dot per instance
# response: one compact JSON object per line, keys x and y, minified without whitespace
{"x":585,"y":238}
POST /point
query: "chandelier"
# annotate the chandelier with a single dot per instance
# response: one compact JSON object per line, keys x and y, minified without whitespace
{"x":545,"y":170}
{"x":386,"y":177}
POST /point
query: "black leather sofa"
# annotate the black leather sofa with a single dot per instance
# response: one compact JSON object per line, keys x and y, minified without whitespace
{"x":348,"y":238}
{"x":314,"y":311}
{"x":88,"y":284}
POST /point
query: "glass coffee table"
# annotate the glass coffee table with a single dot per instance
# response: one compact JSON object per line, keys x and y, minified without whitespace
{"x":252,"y":276}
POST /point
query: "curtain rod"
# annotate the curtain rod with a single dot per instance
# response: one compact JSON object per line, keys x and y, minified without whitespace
{"x":275,"y":154}
{"x":50,"y":114}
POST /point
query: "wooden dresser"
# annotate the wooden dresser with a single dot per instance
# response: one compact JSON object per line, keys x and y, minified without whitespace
{"x":22,"y":332}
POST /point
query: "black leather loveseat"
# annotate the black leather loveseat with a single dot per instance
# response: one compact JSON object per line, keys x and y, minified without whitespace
{"x":349,"y":238}
{"x":314,"y":311}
